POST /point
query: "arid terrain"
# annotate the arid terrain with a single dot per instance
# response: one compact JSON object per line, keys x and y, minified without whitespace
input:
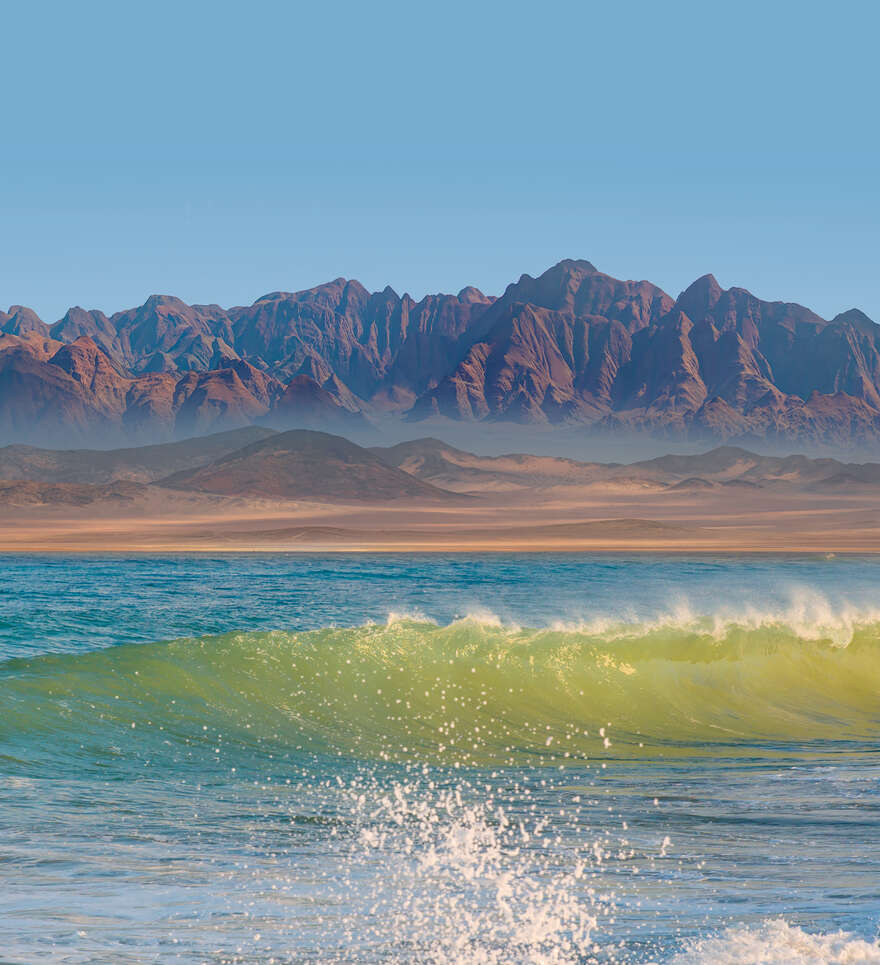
{"x":573,"y":346}
{"x":255,"y":490}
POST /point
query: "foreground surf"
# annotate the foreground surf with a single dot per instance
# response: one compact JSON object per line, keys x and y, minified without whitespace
{"x":471,"y":692}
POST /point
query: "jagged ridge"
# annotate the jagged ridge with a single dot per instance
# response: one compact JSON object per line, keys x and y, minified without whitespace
{"x":572,"y":345}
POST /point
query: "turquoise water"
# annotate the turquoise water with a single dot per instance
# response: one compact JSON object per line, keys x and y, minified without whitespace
{"x":468,"y":759}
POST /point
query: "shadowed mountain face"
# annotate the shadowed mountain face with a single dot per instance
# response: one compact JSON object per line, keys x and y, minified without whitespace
{"x":550,"y":349}
{"x":576,"y":345}
{"x":59,"y":393}
{"x":22,"y":321}
{"x":571,"y":346}
{"x":305,"y":404}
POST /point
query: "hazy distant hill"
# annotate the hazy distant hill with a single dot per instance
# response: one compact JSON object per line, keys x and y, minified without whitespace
{"x":434,"y":461}
{"x":29,"y":493}
{"x":444,"y":465}
{"x":572,"y":345}
{"x":302,"y":464}
{"x":317,"y":466}
{"x":141,"y":464}
{"x":729,"y":464}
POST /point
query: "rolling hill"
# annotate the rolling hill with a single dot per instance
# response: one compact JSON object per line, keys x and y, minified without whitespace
{"x":143,"y":464}
{"x":303,"y":464}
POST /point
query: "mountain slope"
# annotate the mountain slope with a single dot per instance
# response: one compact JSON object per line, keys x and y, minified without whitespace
{"x":22,"y":321}
{"x":549,"y":349}
{"x":443,"y":465}
{"x":102,"y":466}
{"x":61,"y":393}
{"x":713,"y":363}
{"x":573,"y":345}
{"x":302,"y":464}
{"x":306,"y":405}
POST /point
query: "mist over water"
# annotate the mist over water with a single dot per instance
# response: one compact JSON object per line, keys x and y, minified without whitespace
{"x":486,"y":759}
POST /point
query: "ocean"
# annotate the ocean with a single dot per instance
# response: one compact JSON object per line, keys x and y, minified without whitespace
{"x":440,"y":759}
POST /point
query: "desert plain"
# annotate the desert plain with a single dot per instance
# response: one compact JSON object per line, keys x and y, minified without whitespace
{"x":257,"y":491}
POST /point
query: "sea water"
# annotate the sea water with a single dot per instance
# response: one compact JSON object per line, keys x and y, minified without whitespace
{"x":439,"y":759}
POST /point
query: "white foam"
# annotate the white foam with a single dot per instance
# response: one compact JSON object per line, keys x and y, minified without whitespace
{"x":776,"y":942}
{"x":407,"y":616}
{"x":806,"y":613}
{"x":486,"y":618}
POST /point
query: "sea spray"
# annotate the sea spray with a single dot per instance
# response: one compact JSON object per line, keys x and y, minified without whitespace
{"x":459,"y":881}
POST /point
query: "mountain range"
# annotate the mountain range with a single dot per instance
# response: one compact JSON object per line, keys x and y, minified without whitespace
{"x":573,"y":345}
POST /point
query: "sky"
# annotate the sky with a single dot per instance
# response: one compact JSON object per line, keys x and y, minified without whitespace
{"x":219,"y":151}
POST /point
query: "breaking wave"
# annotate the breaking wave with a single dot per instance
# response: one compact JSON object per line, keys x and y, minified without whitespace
{"x":471,"y":692}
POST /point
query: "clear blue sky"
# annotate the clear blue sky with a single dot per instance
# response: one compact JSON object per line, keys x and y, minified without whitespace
{"x":219,"y":151}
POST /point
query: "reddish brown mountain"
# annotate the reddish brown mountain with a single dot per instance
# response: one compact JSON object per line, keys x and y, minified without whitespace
{"x":550,"y":348}
{"x":94,"y":324}
{"x":22,"y":321}
{"x":572,"y":345}
{"x":374,"y":343}
{"x":712,"y":363}
{"x":306,"y":405}
{"x":62,"y":393}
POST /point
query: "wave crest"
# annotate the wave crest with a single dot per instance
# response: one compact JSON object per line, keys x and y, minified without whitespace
{"x":472,"y":691}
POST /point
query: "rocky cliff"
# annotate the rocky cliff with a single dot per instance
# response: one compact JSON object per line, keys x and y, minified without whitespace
{"x":572,"y":345}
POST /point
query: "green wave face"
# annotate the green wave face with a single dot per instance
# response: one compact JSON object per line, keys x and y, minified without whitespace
{"x":468,"y":693}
